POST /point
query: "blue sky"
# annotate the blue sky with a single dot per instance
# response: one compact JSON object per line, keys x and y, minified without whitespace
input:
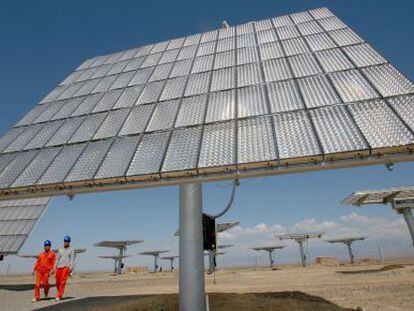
{"x":42,"y":42}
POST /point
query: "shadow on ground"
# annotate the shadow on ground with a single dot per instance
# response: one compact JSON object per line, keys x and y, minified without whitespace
{"x":281,"y":301}
{"x":19,"y":287}
{"x":385,"y":268}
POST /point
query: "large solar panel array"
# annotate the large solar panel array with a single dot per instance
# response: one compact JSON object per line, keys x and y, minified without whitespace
{"x":293,"y":90}
{"x":17,"y":220}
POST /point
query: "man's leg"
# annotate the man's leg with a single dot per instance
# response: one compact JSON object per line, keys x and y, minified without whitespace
{"x":58,"y":280}
{"x":46,"y":284}
{"x":37,"y":285}
{"x":64,"y":277}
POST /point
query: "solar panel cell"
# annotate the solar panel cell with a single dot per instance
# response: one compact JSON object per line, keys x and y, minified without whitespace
{"x":255,"y":141}
{"x":295,"y":137}
{"x":149,"y":155}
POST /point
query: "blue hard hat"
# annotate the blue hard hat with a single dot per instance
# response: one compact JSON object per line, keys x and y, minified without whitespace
{"x":47,"y":243}
{"x":66,"y":238}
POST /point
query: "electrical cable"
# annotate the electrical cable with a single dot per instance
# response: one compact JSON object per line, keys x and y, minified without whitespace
{"x":232,"y":196}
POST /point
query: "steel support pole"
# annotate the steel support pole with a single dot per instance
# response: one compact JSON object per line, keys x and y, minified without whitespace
{"x":408,"y":216}
{"x":380,"y":253}
{"x":302,"y":253}
{"x":121,"y":254}
{"x":172,"y":264}
{"x":271,"y":259}
{"x":351,"y":255}
{"x":155,"y":263}
{"x":191,"y":277}
{"x":211,"y":267}
{"x":116,"y":266}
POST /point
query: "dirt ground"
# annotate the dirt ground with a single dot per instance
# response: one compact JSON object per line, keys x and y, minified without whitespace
{"x":368,"y":286}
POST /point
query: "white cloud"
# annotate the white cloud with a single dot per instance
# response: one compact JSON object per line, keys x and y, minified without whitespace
{"x":259,"y":228}
{"x":355,"y":217}
{"x":311,"y":225}
{"x":377,"y":227}
{"x":256,"y":229}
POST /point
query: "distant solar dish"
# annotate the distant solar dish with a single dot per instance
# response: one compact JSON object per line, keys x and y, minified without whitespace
{"x":222,"y":246}
{"x":32,"y":256}
{"x":401,"y":199}
{"x":118,"y":244}
{"x":121,"y":245}
{"x":348,"y":242}
{"x":270,"y":250}
{"x":171,"y":259}
{"x":17,"y":220}
{"x":300,"y":238}
{"x":118,"y":261}
{"x":77,"y":250}
{"x":217,"y":253}
{"x":221,"y":227}
{"x":113,"y":256}
{"x":156,"y":255}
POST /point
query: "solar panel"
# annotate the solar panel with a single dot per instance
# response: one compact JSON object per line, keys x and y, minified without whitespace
{"x":17,"y":220}
{"x":118,"y":243}
{"x":382,"y":196}
{"x":296,"y":92}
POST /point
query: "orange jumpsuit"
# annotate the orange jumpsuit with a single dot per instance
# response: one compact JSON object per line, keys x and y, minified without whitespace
{"x":44,"y":264}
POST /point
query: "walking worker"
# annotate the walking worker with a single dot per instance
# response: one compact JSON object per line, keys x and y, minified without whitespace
{"x":44,"y":266}
{"x":64,"y":266}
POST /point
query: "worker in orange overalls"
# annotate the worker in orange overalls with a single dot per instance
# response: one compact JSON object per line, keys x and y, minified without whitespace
{"x":45,"y":265}
{"x":64,"y":266}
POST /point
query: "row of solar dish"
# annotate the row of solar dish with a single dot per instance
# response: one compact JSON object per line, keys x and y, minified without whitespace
{"x":274,"y":70}
{"x":328,"y":22}
{"x":301,"y":136}
{"x":305,"y":93}
{"x":158,"y":67}
{"x":268,"y":43}
{"x":138,"y":70}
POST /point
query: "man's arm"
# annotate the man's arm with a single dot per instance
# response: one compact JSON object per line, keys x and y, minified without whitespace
{"x":36,"y":266}
{"x":52,"y":268}
{"x":57,"y":258}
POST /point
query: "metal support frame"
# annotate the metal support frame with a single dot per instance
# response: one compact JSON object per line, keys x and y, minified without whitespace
{"x":351,"y":255}
{"x":302,"y":253}
{"x":405,"y":210}
{"x":116,"y":266}
{"x":211,"y":262}
{"x":155,"y":263}
{"x":63,"y":189}
{"x":121,"y":254}
{"x":271,"y":258}
{"x":408,"y":216}
{"x":191,"y":276}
